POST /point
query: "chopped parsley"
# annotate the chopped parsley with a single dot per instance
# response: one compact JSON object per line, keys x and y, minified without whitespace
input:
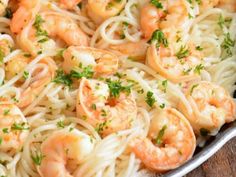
{"x":62,"y":78}
{"x":1,"y":140}
{"x":221,"y":21}
{"x":159,"y":38}
{"x":228,"y":44}
{"x":102,"y":126}
{"x":25,"y":74}
{"x":37,"y":157}
{"x":6,"y":112}
{"x":162,"y":106}
{"x":61,"y":124}
{"x":160,"y":135}
{"x":199,"y":48}
{"x":182,"y":53}
{"x":116,"y":88}
{"x":5,"y":130}
{"x":37,"y":24}
{"x":204,"y":132}
{"x":164,"y":85}
{"x":2,"y":55}
{"x":93,"y":106}
{"x":87,"y":73}
{"x":192,"y":88}
{"x":150,"y":100}
{"x":157,"y":4}
{"x":21,"y":126}
{"x":198,"y":69}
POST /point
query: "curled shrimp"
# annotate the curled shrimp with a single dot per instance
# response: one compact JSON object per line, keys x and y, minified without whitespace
{"x":172,"y":66}
{"x":69,"y":4}
{"x":170,"y":143}
{"x":5,"y":47}
{"x":212,"y":106}
{"x":13,"y":126}
{"x":152,"y":18}
{"x":23,"y":15}
{"x":62,"y":151}
{"x":130,"y":49}
{"x":29,"y":94}
{"x":58,"y":25}
{"x":107,"y":114}
{"x":100,"y":10}
{"x":102,"y":61}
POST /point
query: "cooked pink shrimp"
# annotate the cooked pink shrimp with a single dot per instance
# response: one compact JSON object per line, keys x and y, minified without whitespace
{"x":100,"y":10}
{"x":59,"y":25}
{"x":62,"y":151}
{"x":152,"y":18}
{"x":176,"y":67}
{"x":212,"y":106}
{"x":130,"y":49}
{"x":69,"y":4}
{"x":107,"y":114}
{"x":102,"y":61}
{"x":34,"y":89}
{"x":23,"y":15}
{"x":13,"y":128}
{"x":229,"y":5}
{"x":170,"y":143}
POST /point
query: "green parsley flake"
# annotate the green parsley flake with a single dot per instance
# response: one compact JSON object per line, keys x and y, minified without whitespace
{"x":192,"y":88}
{"x":159,"y":38}
{"x":150,"y":100}
{"x":182,"y":53}
{"x":62,"y":78}
{"x":61,"y":124}
{"x":25,"y":74}
{"x":116,"y":88}
{"x":198,"y":69}
{"x":157,"y":4}
{"x":37,"y":157}
{"x":159,"y":138}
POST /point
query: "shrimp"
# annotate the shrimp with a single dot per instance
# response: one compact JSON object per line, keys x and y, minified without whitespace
{"x":63,"y":150}
{"x":69,"y":4}
{"x":30,"y":93}
{"x":152,"y":18}
{"x":57,"y":24}
{"x":229,"y":5}
{"x":130,"y":49}
{"x":102,"y":61}
{"x":5,"y":47}
{"x":16,"y":65}
{"x":100,"y":10}
{"x":175,"y":67}
{"x":106,"y":113}
{"x":212,"y":106}
{"x":13,"y":126}
{"x":170,"y":143}
{"x":23,"y":15}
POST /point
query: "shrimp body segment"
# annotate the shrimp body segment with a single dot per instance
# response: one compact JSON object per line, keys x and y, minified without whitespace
{"x":102,"y":61}
{"x":96,"y":107}
{"x":62,"y":151}
{"x":170,"y":143}
{"x":212,"y":107}
{"x":169,"y":66}
{"x":100,"y":10}
{"x":23,"y":15}
{"x":13,"y":126}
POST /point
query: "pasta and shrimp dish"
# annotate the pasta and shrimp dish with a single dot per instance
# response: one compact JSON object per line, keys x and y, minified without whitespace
{"x":112,"y":88}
